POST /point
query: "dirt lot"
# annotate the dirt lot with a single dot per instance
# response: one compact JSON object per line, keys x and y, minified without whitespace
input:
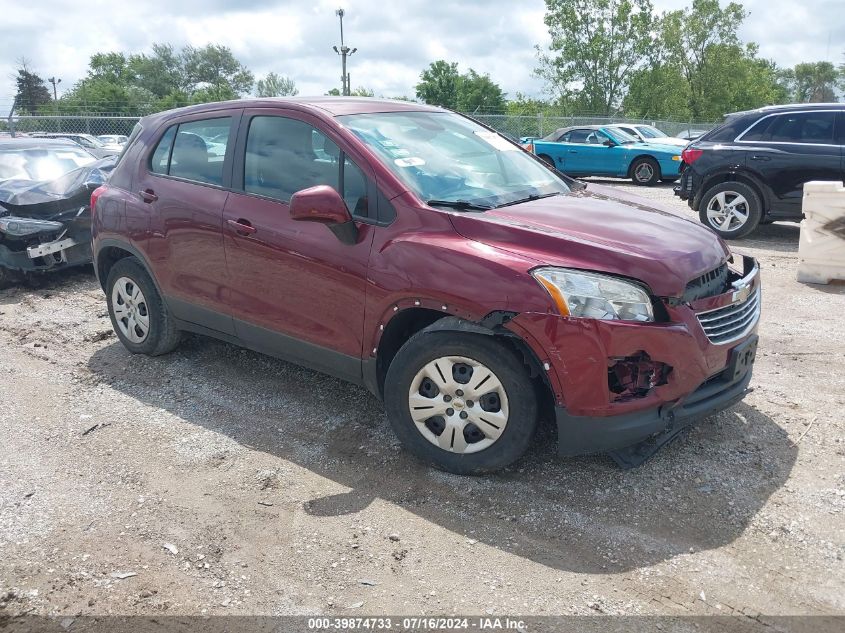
{"x":228,"y":482}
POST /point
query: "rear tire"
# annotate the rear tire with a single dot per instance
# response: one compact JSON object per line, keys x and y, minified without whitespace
{"x":645,"y":172}
{"x":732,"y":209}
{"x":138,"y":315}
{"x":461,"y":379}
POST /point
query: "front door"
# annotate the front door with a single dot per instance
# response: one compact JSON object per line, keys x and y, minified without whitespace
{"x":296,"y":290}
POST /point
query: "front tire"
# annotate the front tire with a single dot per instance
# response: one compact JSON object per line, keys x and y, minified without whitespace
{"x":732,"y":209}
{"x":138,"y":315}
{"x":645,"y":172}
{"x":462,"y":402}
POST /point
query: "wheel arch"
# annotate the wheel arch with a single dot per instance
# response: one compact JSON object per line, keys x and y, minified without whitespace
{"x":111,"y":251}
{"x":734,"y":176}
{"x":408,"y":322}
{"x":638,"y":157}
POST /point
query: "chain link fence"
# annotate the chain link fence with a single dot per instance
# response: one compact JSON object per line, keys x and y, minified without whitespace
{"x":80,"y":124}
{"x":514,"y":126}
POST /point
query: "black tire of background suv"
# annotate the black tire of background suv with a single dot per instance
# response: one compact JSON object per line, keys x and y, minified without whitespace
{"x":163,"y":336}
{"x":424,"y":347}
{"x":655,"y":171}
{"x":755,"y":208}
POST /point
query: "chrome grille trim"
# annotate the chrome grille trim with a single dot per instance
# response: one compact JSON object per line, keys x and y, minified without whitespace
{"x":732,"y":322}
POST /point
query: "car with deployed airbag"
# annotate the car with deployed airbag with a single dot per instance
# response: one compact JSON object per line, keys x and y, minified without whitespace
{"x":422,"y":255}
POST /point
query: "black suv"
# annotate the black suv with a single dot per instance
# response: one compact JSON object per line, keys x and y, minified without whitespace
{"x":752,"y":168}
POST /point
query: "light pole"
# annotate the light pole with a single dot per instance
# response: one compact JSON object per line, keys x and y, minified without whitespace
{"x":344,"y":52}
{"x":54,"y":81}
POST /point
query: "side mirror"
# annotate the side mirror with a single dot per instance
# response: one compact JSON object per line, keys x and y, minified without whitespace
{"x":324,"y":205}
{"x":609,"y":143}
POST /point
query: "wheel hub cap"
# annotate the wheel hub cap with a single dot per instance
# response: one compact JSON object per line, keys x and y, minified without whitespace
{"x":130,"y":310}
{"x":727,"y":211}
{"x":458,"y":404}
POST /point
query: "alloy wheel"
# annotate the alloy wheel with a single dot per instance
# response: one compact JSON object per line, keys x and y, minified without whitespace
{"x":130,"y":310}
{"x":727,"y":211}
{"x":458,"y":404}
{"x":644,"y":172}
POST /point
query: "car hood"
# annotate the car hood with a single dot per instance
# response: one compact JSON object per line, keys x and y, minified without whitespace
{"x":669,"y":141}
{"x":601,"y":229}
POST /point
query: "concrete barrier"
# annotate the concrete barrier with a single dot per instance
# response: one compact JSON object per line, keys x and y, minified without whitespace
{"x":821,"y":247}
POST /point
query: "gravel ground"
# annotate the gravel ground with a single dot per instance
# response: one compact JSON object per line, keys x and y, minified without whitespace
{"x":218,"y":481}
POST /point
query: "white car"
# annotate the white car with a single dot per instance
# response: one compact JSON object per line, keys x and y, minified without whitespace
{"x":113,"y":140}
{"x":649,"y":134}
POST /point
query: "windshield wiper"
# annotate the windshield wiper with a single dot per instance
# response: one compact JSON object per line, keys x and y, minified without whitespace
{"x":531,"y":198}
{"x":463,"y":205}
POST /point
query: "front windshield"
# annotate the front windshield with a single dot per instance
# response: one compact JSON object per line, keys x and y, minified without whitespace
{"x":39,"y":164}
{"x":620,"y":136}
{"x":650,"y":132}
{"x":442,"y":156}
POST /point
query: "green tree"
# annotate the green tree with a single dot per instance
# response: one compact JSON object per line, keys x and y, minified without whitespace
{"x":596,"y":46}
{"x":334,"y":92}
{"x":525,"y":106}
{"x":814,"y":82}
{"x":439,"y":84}
{"x":162,"y":72}
{"x":361,"y":91}
{"x":274,"y":85}
{"x":698,"y":40}
{"x":32,"y":92}
{"x":657,"y":92}
{"x":215,"y":74}
{"x":479,"y":92}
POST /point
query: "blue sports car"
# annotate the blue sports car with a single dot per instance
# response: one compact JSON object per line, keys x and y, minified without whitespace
{"x":595,"y":150}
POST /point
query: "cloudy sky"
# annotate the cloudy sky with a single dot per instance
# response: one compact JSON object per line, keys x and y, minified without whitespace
{"x":395,"y":40}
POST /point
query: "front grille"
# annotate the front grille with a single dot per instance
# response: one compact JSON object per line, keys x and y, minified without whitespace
{"x":732,"y":322}
{"x":710,"y":284}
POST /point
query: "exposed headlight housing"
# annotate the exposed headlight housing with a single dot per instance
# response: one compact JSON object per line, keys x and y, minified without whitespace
{"x":24,"y":227}
{"x":592,"y":296}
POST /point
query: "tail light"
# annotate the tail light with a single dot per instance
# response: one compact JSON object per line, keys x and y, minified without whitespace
{"x":691,"y":154}
{"x":95,"y":195}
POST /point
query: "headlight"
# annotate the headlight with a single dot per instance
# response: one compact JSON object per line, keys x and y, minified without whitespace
{"x":24,"y":227}
{"x":592,"y":296}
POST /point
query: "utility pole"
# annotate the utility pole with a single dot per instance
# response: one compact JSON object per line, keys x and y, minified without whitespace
{"x":54,"y":81}
{"x":344,"y":52}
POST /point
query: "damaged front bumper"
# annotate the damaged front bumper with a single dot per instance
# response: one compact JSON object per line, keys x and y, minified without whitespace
{"x":628,"y":388}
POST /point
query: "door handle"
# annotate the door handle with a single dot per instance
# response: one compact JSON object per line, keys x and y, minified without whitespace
{"x":242,"y":227}
{"x":759,"y":157}
{"x":148,"y":195}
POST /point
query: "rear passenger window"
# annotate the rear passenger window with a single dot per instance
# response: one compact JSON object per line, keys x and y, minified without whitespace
{"x":199,"y":150}
{"x":193,"y":151}
{"x":759,"y":131}
{"x":160,"y":161}
{"x":803,"y":127}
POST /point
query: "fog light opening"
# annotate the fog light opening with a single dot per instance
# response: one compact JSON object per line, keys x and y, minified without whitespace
{"x":635,"y":376}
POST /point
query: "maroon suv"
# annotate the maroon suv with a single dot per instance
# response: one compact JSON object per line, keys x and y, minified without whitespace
{"x":411,"y":250}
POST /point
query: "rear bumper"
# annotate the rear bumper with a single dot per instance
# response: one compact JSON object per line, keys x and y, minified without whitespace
{"x":684,"y":188}
{"x":580,"y":435}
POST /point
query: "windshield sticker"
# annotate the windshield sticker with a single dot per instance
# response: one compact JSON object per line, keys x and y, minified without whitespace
{"x":497,"y":141}
{"x":409,"y":162}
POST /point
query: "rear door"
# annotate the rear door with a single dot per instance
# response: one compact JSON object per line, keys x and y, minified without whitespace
{"x":297,"y":291}
{"x":183,"y":185}
{"x":840,"y":140}
{"x":790,"y":149}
